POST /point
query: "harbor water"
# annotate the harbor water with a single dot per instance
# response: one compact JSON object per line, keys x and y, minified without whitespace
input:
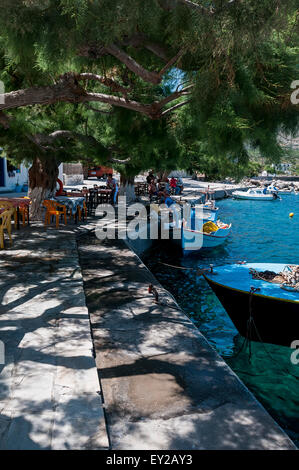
{"x":262,"y":231}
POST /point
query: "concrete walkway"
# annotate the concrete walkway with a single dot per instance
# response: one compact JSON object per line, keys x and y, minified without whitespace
{"x":164,"y":386}
{"x":49,"y":389}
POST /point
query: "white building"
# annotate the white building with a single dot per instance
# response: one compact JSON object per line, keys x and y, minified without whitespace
{"x":12,"y":178}
{"x":282,"y":167}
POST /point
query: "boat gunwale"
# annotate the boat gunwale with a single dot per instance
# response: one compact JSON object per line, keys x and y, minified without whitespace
{"x":209,"y":234}
{"x":248,"y":292}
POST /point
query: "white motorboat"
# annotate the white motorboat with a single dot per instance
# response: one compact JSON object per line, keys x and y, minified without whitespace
{"x":255,"y":195}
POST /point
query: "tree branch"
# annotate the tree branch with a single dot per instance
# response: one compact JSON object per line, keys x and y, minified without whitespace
{"x":42,"y":139}
{"x":118,"y":101}
{"x":68,"y":90}
{"x":148,"y":76}
{"x":169,"y":5}
{"x":172,"y":61}
{"x":174,"y":96}
{"x":96,"y":110}
{"x":155,"y":78}
{"x":176,"y":106}
{"x":95,"y":51}
{"x":140,"y":40}
{"x":114,"y":86}
{"x":121,"y":162}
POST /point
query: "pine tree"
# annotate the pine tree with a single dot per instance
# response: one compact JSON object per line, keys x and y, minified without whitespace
{"x":235,"y":62}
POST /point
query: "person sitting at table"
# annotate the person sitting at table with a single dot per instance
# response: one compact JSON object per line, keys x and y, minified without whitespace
{"x":152,"y":189}
{"x":160,"y":185}
{"x":165,"y":198}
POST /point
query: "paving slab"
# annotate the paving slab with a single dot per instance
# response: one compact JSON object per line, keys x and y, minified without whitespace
{"x":163,"y":385}
{"x":50,"y":395}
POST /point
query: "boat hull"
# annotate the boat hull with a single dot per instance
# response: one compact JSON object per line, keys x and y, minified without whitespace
{"x":193,"y":240}
{"x":260,"y":197}
{"x":276,"y":320}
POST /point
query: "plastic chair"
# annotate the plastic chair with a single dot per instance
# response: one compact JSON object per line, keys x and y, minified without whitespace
{"x":5,"y":218}
{"x":24,"y":211}
{"x":8,"y":206}
{"x":79,"y":209}
{"x":54,"y":209}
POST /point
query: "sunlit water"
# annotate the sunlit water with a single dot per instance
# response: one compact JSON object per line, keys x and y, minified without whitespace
{"x":261,"y":232}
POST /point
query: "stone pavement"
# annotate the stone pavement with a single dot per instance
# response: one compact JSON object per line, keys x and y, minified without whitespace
{"x":50,"y":394}
{"x":164,"y":386}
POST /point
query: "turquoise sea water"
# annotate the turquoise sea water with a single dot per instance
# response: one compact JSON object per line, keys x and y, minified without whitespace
{"x":261,"y":232}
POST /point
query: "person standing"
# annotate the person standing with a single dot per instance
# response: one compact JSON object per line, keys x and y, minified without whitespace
{"x":179,"y":186}
{"x":152,"y":189}
{"x":173,"y":184}
{"x":150,"y":177}
{"x":112,"y":184}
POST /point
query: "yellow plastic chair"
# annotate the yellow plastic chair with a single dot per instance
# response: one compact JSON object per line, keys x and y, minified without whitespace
{"x":54,"y":209}
{"x":9,"y":206}
{"x":5,"y":224}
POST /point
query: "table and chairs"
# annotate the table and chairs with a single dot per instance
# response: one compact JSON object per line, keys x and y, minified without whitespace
{"x":141,"y":189}
{"x":21,"y":208}
{"x":96,"y":196}
{"x":12,"y":209}
{"x":76,"y":204}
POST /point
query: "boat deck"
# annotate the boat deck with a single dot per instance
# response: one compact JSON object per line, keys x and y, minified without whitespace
{"x":238,"y":277}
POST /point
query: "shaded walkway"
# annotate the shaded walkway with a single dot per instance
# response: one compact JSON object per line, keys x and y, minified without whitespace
{"x":49,"y":389}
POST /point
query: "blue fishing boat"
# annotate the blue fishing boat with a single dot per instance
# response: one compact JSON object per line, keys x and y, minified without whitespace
{"x":262,"y":299}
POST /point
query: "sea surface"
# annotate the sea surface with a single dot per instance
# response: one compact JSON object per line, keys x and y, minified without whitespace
{"x":262,"y":231}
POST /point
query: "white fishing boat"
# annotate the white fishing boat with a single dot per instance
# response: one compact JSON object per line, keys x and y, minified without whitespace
{"x":195,"y":228}
{"x":200,"y":232}
{"x":255,"y":195}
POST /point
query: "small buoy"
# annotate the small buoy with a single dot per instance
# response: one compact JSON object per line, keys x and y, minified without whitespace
{"x":291,"y":214}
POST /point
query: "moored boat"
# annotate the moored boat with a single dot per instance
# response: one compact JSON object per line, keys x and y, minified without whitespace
{"x":203,"y":233}
{"x":262,"y":309}
{"x":255,"y":195}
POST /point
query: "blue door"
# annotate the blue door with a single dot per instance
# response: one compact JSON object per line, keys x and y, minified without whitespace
{"x":1,"y":172}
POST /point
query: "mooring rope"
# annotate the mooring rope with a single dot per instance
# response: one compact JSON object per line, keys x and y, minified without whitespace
{"x":176,"y":267}
{"x":199,"y":271}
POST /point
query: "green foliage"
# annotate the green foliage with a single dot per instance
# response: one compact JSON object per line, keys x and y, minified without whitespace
{"x":242,"y":61}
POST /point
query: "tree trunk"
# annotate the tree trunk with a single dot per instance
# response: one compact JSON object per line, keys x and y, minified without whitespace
{"x":162,"y":175}
{"x":127,"y":187}
{"x":43,"y":175}
{"x":85,"y":171}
